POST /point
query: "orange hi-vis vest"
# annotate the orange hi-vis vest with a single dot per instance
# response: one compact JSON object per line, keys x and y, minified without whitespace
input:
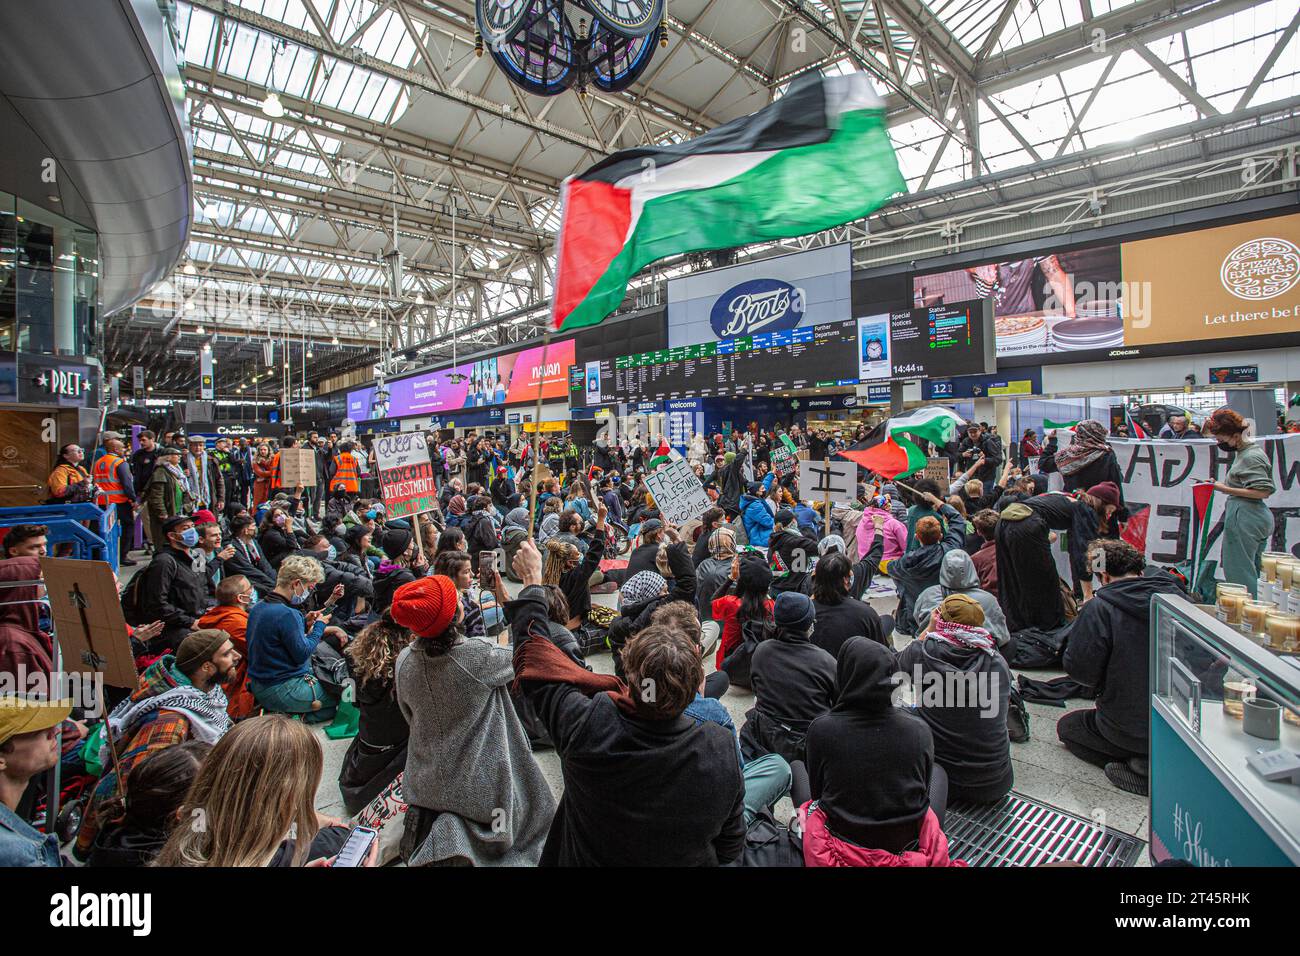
{"x":105,"y":475}
{"x":345,"y":473}
{"x":275,"y":470}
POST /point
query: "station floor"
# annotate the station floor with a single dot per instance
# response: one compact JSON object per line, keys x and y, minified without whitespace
{"x":1044,"y":769}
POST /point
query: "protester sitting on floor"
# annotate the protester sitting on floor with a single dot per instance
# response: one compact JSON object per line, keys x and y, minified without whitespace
{"x":925,"y":503}
{"x":985,"y":559}
{"x":459,"y":566}
{"x":628,"y":755}
{"x":24,"y":647}
{"x":962,"y":687}
{"x":755,"y":516}
{"x":133,"y":829}
{"x":741,"y":603}
{"x":248,"y":558}
{"x":276,"y":535}
{"x":377,"y":753}
{"x":235,"y":597}
{"x":179,"y":698}
{"x":793,"y":682}
{"x":712,"y":572}
{"x":26,"y":541}
{"x":876,"y":795}
{"x":281,"y":643}
{"x":841,"y":616}
{"x":171,"y":590}
{"x":790,"y":553}
{"x":480,"y":530}
{"x":638,"y":598}
{"x":919,"y":568}
{"x":957,"y":575}
{"x":712,"y":519}
{"x":572,"y":571}
{"x":403,"y":563}
{"x":1110,"y":650}
{"x":257,"y":785}
{"x":475,"y":793}
{"x":29,"y":746}
{"x":767,"y":779}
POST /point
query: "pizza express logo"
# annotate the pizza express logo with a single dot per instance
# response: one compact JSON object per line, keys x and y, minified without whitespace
{"x":1261,"y":269}
{"x":759,"y":304}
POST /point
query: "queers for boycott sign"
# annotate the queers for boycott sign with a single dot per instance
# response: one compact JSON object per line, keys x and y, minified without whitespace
{"x":1158,"y":479}
{"x":405,"y":474}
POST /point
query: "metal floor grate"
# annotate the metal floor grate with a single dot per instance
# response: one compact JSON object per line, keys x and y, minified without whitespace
{"x":1019,"y":831}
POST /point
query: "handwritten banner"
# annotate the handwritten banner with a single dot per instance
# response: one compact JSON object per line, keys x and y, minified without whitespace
{"x":405,"y":474}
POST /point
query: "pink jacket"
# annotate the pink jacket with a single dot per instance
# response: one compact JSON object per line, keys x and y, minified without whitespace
{"x":895,"y":533}
{"x":823,"y":848}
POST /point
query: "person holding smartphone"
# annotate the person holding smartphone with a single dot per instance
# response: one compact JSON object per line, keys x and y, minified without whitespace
{"x":458,"y":565}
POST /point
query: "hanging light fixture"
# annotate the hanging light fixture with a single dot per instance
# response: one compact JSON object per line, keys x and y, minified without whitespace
{"x":334,"y":340}
{"x":271,"y":105}
{"x":190,"y":269}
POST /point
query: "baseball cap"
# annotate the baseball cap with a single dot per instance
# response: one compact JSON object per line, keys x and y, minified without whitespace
{"x":24,"y":715}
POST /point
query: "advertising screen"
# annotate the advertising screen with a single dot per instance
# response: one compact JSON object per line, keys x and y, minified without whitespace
{"x":1165,"y":295}
{"x":501,"y":380}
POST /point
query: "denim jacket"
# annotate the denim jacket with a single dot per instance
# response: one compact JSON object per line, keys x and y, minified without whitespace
{"x":22,"y":845}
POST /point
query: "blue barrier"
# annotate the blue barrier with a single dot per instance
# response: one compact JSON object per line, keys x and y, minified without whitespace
{"x":92,"y":531}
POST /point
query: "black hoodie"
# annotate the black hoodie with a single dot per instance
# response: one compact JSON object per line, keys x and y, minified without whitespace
{"x":869,"y":762}
{"x":794,"y":682}
{"x":1109,"y":649}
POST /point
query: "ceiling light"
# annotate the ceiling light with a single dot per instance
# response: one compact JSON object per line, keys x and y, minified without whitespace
{"x":200,"y":330}
{"x":190,"y":270}
{"x":309,"y":353}
{"x":207,"y":346}
{"x":211,"y":209}
{"x":494,"y":263}
{"x":334,"y":340}
{"x":372,"y":324}
{"x":419,"y":298}
{"x":272,"y":106}
{"x":189,"y":305}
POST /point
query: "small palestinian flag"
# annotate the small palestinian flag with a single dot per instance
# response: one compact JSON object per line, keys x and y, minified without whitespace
{"x":1051,"y":426}
{"x":1207,"y":510}
{"x":818,"y":157}
{"x":887,"y":450}
{"x":1135,"y":428}
{"x":663,"y":454}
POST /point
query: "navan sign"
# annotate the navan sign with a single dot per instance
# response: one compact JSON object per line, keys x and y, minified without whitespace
{"x":759,"y":305}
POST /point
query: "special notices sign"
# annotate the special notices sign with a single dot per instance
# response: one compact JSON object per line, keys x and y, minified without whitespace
{"x":405,"y":474}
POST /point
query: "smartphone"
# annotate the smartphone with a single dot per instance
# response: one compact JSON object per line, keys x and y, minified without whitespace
{"x":487,"y":565}
{"x":357,"y":847}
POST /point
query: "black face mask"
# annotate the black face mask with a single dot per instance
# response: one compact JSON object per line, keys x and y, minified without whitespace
{"x":1223,"y":445}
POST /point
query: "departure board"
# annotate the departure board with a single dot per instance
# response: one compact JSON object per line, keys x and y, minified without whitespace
{"x":813,"y":357}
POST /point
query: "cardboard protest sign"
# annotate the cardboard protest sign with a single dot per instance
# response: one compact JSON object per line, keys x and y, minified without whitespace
{"x":833,"y":480}
{"x":678,"y":494}
{"x":1158,"y":480}
{"x":939,"y":470}
{"x":405,"y":474}
{"x":88,"y":619}
{"x":297,"y":468}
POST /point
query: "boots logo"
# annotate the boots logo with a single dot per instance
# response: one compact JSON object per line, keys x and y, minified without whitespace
{"x":1261,"y":269}
{"x":770,"y":304}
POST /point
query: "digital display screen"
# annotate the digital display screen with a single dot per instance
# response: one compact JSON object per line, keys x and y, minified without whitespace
{"x":813,"y":357}
{"x":502,"y":380}
{"x":941,"y":341}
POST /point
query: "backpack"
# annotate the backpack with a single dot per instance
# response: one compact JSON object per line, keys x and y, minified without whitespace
{"x":1032,"y":648}
{"x":739,"y":658}
{"x":768,"y":844}
{"x":132,"y":604}
{"x":1017,"y":717}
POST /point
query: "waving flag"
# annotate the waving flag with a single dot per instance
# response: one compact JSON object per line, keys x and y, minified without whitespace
{"x":818,"y":157}
{"x":663,"y":455}
{"x":1207,"y":509}
{"x":887,"y":450}
{"x":1051,"y":426}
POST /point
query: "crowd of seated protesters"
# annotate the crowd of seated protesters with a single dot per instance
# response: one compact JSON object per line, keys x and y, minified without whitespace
{"x":457,"y":684}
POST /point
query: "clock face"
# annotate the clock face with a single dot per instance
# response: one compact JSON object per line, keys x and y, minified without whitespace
{"x":632,"y":18}
{"x":500,"y":17}
{"x":616,"y":61}
{"x":875,"y":349}
{"x":540,"y":54}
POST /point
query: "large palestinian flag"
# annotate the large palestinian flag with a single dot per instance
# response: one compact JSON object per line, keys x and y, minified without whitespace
{"x":818,"y":157}
{"x":889,"y":450}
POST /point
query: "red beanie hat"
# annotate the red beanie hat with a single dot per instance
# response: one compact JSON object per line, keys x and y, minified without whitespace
{"x":204,"y":516}
{"x":1107,"y":492}
{"x":426,"y":606}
